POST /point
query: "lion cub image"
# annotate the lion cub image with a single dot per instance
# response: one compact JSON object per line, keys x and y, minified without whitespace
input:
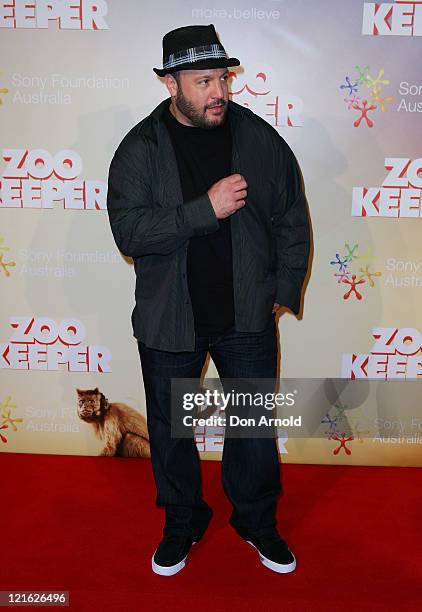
{"x":122,"y":429}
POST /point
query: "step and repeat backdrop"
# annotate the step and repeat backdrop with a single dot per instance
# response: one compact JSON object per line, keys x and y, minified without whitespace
{"x":341,"y":83}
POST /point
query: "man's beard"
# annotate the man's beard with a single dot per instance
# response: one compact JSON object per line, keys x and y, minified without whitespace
{"x":198,"y":118}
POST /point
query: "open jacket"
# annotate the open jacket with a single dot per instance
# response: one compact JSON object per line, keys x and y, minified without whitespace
{"x":152,"y":224}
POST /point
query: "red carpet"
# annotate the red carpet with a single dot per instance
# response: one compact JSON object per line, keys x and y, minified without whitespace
{"x":89,"y":525}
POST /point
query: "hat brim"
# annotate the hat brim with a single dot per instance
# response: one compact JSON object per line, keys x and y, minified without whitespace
{"x":221,"y":62}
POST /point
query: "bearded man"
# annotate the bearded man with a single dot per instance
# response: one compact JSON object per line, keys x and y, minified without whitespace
{"x":207,"y":199}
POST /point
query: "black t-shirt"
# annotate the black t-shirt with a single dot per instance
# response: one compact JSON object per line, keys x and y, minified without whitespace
{"x":203,"y":158}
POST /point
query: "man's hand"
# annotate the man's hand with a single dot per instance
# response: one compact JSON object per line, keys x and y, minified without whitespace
{"x":228,"y":195}
{"x":276,"y":307}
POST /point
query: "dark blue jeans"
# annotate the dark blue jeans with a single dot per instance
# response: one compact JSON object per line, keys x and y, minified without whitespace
{"x":250,"y":466}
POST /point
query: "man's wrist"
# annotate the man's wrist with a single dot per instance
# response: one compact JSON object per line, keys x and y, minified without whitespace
{"x":199,"y":214}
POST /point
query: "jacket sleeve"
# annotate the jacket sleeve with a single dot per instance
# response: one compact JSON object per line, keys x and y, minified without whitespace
{"x":291,"y":230}
{"x":137,"y":226}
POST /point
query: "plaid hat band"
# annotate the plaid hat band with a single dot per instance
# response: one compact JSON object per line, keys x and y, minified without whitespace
{"x":194,"y":54}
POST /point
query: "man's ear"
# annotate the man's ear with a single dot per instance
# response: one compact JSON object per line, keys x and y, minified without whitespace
{"x":171,"y":84}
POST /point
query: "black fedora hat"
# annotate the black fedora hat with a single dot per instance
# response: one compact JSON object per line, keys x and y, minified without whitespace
{"x":193,"y":47}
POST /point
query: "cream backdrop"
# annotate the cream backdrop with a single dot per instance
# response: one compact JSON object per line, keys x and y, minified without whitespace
{"x":339,"y":80}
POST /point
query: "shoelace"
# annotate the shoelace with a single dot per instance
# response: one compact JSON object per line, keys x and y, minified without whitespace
{"x":271,"y":539}
{"x":176,"y":539}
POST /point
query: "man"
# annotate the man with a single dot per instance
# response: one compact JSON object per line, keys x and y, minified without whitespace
{"x":207,"y":198}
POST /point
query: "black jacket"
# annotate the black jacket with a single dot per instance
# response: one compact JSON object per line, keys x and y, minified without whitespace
{"x":151,"y":223}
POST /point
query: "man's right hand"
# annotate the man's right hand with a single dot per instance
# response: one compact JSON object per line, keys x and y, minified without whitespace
{"x":228,"y":195}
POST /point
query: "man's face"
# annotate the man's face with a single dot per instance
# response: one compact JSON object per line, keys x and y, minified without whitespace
{"x":201,"y":96}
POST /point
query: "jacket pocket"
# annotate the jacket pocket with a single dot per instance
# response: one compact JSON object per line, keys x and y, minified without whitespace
{"x":148,"y":276}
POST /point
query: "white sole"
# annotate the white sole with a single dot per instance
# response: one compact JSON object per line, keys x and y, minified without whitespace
{"x":169,"y":570}
{"x":280,"y":568}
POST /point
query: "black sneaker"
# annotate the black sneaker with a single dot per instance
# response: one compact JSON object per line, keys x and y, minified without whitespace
{"x":171,"y":554}
{"x":274,"y":553}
